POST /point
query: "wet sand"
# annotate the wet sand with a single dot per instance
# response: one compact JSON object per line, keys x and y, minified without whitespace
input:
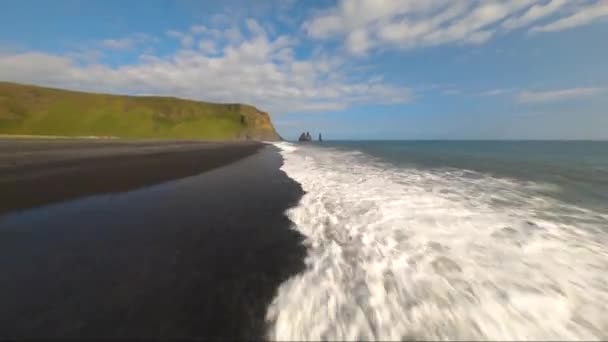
{"x":35,"y":172}
{"x":196,"y":257}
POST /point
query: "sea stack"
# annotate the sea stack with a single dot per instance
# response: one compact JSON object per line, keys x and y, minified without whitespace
{"x":304,"y":137}
{"x":320,"y":137}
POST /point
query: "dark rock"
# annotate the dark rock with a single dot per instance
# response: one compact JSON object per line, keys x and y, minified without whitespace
{"x":305,"y":137}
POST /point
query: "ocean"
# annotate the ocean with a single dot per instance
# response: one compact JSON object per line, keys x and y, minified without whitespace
{"x":443,"y":240}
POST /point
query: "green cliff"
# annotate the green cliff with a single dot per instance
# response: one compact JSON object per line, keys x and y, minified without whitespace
{"x":33,"y":110}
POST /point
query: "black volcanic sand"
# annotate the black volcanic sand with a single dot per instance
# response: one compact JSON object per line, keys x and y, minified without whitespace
{"x":37,"y":171}
{"x":199,"y":257}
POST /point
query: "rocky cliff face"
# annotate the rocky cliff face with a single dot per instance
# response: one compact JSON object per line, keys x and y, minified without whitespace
{"x":257,"y":124}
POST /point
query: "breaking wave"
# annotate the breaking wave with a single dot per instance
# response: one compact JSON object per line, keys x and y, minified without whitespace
{"x":436,"y":254}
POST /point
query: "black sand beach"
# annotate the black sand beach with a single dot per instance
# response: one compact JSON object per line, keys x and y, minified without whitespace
{"x":196,"y":257}
{"x":36,"y":172}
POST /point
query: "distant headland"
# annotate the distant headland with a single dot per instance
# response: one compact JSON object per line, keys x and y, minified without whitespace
{"x":34,"y":110}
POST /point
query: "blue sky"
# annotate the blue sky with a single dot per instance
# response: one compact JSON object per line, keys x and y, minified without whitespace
{"x":353,"y":69}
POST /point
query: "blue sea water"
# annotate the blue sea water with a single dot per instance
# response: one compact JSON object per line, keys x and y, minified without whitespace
{"x":458,"y":240}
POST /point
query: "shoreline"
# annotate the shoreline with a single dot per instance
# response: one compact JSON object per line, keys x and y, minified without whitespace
{"x":38,"y":172}
{"x":199,"y":257}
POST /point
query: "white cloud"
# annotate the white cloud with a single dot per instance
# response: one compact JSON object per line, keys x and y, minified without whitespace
{"x":496,"y":92}
{"x":583,"y":16}
{"x":367,"y":24}
{"x":198,"y":29}
{"x":118,"y":44}
{"x":186,"y":40}
{"x":86,"y":56}
{"x":233,"y":34}
{"x":174,"y":33}
{"x":558,"y":95}
{"x":128,"y":42}
{"x":358,"y":42}
{"x":534,"y":13}
{"x":255,"y":28}
{"x":207,"y":46}
{"x":259,"y":70}
{"x":324,"y":27}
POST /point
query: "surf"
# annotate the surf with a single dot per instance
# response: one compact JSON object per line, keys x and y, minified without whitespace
{"x":414,"y":253}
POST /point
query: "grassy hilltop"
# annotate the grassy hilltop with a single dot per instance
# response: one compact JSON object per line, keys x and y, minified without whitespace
{"x":33,"y":110}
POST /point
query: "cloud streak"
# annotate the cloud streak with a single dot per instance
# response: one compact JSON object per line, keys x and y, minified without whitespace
{"x":558,"y":95}
{"x":583,"y":16}
{"x":118,"y":44}
{"x":126,"y":43}
{"x":534,"y":13}
{"x":496,"y":92}
{"x":363,"y":25}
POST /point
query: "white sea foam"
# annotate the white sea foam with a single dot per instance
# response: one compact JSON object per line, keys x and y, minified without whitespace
{"x":420,"y":254}
{"x":285,"y":146}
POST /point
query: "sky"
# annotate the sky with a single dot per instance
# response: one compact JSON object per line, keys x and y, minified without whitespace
{"x":351,"y":69}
